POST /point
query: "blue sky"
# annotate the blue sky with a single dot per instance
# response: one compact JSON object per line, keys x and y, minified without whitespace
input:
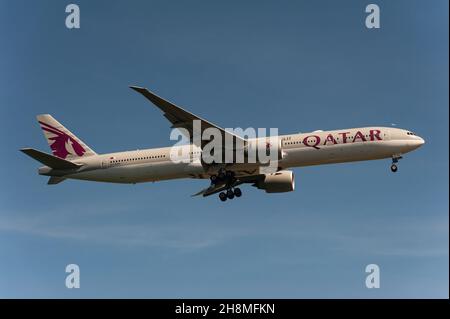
{"x":295,"y":65}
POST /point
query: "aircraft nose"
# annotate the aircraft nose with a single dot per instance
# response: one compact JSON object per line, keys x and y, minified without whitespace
{"x":418,"y":142}
{"x":421,"y":141}
{"x":415,"y":142}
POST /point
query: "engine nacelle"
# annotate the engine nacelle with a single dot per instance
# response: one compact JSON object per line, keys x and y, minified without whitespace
{"x":279,"y":182}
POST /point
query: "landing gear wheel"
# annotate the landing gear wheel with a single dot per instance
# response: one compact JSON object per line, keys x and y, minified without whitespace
{"x":394,"y":168}
{"x":223,"y":196}
{"x":237,"y":192}
{"x":213,"y":179}
{"x":230,"y":194}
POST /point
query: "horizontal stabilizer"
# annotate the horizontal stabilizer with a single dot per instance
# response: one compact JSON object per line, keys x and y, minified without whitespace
{"x":49,"y":160}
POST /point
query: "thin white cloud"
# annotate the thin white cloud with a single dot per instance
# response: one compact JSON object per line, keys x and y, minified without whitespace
{"x":175,"y":234}
{"x":174,"y":230}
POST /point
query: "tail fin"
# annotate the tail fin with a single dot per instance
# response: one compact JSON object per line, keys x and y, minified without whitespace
{"x":49,"y":160}
{"x":63,"y":143}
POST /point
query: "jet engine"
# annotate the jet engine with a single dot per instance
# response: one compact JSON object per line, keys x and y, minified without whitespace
{"x":279,"y":182}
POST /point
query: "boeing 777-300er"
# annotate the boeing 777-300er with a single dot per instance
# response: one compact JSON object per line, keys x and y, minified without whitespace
{"x":73,"y":159}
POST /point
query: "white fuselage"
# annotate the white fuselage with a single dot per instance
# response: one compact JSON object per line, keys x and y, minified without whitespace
{"x":304,"y":149}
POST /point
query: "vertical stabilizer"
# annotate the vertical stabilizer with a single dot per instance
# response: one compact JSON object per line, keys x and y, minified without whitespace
{"x":62,"y":142}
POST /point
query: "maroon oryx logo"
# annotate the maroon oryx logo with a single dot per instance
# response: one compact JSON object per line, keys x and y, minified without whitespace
{"x":63,"y":144}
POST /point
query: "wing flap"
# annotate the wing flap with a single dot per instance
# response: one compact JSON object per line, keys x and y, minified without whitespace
{"x":55,"y":180}
{"x":213,"y":189}
{"x":216,"y":188}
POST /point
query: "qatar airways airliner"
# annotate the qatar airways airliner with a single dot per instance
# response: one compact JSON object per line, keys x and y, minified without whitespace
{"x":73,"y":159}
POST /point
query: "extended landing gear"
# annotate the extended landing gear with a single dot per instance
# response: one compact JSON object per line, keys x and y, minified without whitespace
{"x":230,"y":194}
{"x":223,"y":196}
{"x":394,"y":166}
{"x":222,"y":176}
{"x":226,"y":178}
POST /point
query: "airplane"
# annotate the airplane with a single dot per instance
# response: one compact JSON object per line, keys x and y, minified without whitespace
{"x":73,"y":159}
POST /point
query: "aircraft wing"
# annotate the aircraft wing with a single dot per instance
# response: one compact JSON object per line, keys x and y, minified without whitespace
{"x":216,"y":188}
{"x":181,"y":118}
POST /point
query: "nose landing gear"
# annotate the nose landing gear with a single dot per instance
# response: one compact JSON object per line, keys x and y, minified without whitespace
{"x":394,"y":166}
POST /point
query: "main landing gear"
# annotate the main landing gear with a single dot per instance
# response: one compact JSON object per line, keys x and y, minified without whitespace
{"x":226,"y":177}
{"x":394,"y":166}
{"x":230,"y":194}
